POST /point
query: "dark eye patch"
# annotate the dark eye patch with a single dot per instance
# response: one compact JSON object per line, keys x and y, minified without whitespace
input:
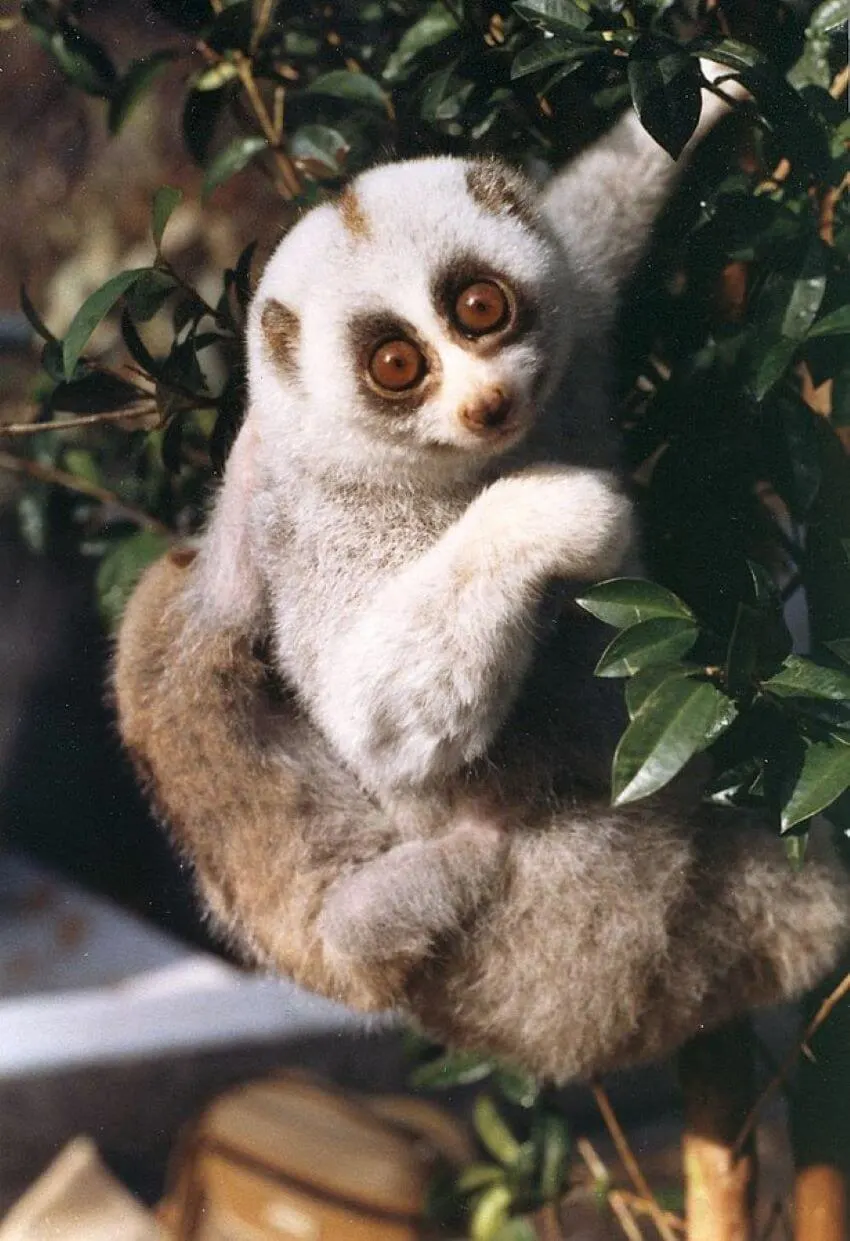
{"x":466,"y":272}
{"x":369,"y":331}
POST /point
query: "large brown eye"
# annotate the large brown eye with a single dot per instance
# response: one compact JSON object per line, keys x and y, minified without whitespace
{"x":481,"y":308}
{"x":396,"y":365}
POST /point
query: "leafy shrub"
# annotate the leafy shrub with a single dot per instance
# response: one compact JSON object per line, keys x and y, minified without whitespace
{"x":734,"y":378}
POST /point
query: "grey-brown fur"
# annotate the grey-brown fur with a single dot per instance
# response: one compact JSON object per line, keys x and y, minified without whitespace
{"x":613,"y":935}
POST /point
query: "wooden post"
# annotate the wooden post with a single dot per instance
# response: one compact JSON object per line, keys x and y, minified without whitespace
{"x":716,"y":1075}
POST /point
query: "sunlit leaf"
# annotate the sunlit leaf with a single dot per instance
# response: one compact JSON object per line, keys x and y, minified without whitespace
{"x":318,"y":144}
{"x":802,"y":677}
{"x":92,"y":312}
{"x":164,"y":202}
{"x":836,"y":323}
{"x":437,"y":24}
{"x":121,"y":569}
{"x":625,"y":601}
{"x":490,"y":1213}
{"x":494,"y":1132}
{"x":355,"y":87}
{"x":555,"y":14}
{"x":824,"y":776}
{"x":677,"y":721}
{"x":451,"y":1069}
{"x":216,"y":76}
{"x":829,"y":15}
{"x":644,"y":683}
{"x":546,"y":53}
{"x":658,"y":641}
{"x":236,"y":156}
{"x":131,"y":88}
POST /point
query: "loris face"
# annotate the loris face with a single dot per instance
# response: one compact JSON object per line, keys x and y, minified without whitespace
{"x":415,"y":322}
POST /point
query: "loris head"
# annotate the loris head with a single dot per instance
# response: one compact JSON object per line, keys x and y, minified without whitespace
{"x":415,"y":325}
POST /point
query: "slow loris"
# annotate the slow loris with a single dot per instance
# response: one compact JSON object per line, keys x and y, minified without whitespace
{"x":426,"y":471}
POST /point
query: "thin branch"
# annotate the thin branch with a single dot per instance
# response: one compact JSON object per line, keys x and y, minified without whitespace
{"x":800,"y":1047}
{"x":616,"y":1202}
{"x":72,"y":482}
{"x":629,"y":1162}
{"x":261,"y":21}
{"x":141,"y":409}
{"x":289,"y":179}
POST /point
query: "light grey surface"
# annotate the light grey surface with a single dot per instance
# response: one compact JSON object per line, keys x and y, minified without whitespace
{"x":84,"y":983}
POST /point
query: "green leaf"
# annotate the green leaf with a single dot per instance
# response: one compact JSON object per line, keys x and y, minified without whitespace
{"x":742,"y":656}
{"x":490,"y":1213}
{"x":806,"y":297}
{"x":318,"y":144}
{"x":120,"y":570}
{"x":494,"y":1132}
{"x":164,"y":202}
{"x":94,"y":393}
{"x":803,"y":678}
{"x":129,"y":91}
{"x":201,"y":112}
{"x":355,"y":87}
{"x":478,"y":1176}
{"x":517,"y":1087}
{"x":665,"y":85}
{"x":823,"y":777}
{"x":33,"y":318}
{"x":517,"y":1230}
{"x":644,"y":683}
{"x":841,"y":648}
{"x":546,"y":53}
{"x":625,"y":601}
{"x":216,"y":76}
{"x":837,"y":323}
{"x":149,"y":293}
{"x":552,"y":1136}
{"x":829,"y":15}
{"x":82,"y":464}
{"x":236,"y":156}
{"x":81,"y":58}
{"x":555,"y":15}
{"x":677,"y":721}
{"x":454,"y":1068}
{"x":93,"y":310}
{"x":795,"y":849}
{"x":436,"y":25}
{"x":658,"y":641}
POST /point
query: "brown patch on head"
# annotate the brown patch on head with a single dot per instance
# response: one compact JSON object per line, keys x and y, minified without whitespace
{"x":182,"y":557}
{"x":501,"y":190}
{"x":353,"y":216}
{"x":282,"y":329}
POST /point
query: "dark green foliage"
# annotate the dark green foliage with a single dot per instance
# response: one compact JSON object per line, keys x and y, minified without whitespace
{"x":742,"y":309}
{"x":715,"y":409}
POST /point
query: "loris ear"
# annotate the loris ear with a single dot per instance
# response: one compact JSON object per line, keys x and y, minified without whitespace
{"x":228,"y":588}
{"x":603,"y":205}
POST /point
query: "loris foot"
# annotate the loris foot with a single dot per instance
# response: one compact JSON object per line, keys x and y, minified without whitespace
{"x":398,"y":905}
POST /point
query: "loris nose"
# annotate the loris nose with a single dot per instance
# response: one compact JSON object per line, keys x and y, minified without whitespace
{"x":487,"y":411}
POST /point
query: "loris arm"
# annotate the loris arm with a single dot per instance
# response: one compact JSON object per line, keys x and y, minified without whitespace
{"x":604,"y":203}
{"x":420,"y":682}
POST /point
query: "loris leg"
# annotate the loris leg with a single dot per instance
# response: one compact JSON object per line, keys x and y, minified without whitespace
{"x":398,"y":904}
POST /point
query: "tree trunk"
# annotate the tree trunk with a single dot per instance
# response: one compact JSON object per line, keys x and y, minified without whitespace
{"x":821,"y":1125}
{"x":716,"y":1074}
